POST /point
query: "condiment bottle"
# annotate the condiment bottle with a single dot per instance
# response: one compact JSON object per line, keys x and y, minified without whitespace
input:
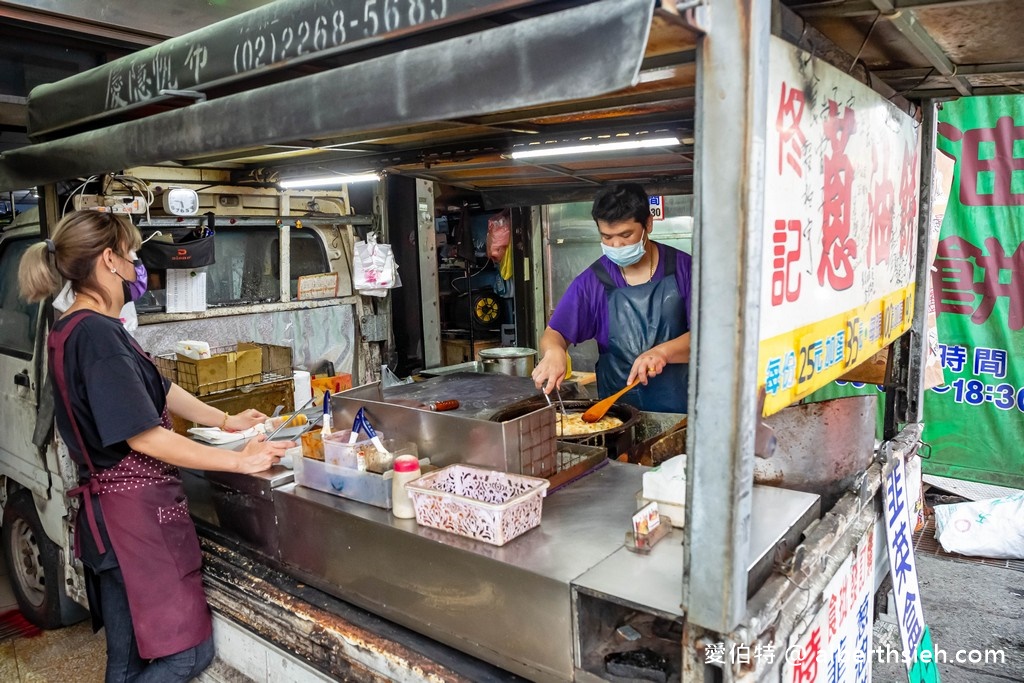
{"x":407,"y":468}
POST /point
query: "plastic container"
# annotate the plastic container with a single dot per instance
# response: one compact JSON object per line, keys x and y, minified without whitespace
{"x":365,"y":487}
{"x":379,"y":462}
{"x":673,"y":511}
{"x":407,"y":469}
{"x":493,"y":507}
{"x":313,"y":445}
{"x":363,"y":454}
{"x":338,"y":451}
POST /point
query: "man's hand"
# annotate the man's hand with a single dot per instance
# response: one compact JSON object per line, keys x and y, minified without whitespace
{"x":648,"y":364}
{"x":550,"y":372}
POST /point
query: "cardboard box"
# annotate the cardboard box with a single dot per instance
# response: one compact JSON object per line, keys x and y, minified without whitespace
{"x":455,"y":351}
{"x":225,"y":369}
{"x":264,"y":397}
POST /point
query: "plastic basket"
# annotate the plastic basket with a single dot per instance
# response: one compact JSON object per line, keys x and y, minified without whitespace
{"x":493,"y":507}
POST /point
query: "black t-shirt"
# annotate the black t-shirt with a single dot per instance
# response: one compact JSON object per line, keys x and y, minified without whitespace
{"x":116,"y":393}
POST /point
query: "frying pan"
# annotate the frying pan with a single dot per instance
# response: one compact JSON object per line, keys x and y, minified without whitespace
{"x":616,"y":440}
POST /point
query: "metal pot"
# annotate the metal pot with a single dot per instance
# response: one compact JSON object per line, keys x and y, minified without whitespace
{"x":822,"y":447}
{"x":517,"y":361}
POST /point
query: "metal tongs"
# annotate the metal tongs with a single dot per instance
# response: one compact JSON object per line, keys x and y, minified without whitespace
{"x":558,"y":395}
{"x":292,"y":417}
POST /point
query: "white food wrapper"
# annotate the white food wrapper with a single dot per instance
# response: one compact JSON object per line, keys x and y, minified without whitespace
{"x":196,"y":350}
{"x":218,"y":437}
{"x":667,"y":481}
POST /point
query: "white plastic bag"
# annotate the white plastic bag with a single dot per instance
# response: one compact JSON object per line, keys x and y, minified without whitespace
{"x":985,"y":528}
{"x":389,"y":379}
{"x":373,"y":269}
{"x":66,"y":297}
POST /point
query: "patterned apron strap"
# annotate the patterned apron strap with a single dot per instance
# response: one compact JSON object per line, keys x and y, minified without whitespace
{"x":55,"y":343}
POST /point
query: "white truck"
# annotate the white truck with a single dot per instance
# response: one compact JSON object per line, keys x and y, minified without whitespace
{"x":251,"y":296}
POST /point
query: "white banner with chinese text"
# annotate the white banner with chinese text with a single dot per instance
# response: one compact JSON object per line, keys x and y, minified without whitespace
{"x":840,"y":230}
{"x":899,"y":531}
{"x":836,"y":647}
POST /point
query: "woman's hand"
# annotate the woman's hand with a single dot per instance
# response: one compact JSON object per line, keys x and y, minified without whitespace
{"x":244,"y":420}
{"x":260,"y":454}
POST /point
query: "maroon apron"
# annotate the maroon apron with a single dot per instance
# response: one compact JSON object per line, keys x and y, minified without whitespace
{"x":146,"y":515}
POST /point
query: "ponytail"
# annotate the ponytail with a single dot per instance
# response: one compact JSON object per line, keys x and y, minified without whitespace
{"x":78,"y":240}
{"x":37,"y":274}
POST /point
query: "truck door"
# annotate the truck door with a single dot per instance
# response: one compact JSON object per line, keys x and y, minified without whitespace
{"x":19,"y":323}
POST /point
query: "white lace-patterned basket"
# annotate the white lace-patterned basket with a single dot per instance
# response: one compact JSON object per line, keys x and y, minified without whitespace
{"x":493,"y":507}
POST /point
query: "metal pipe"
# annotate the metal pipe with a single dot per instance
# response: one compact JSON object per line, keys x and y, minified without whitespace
{"x":732,"y":73}
{"x":922,"y":290}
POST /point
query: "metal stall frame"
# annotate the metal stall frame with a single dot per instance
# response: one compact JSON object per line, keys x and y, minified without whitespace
{"x":731,"y":117}
{"x":732,"y":68}
{"x":732,"y":61}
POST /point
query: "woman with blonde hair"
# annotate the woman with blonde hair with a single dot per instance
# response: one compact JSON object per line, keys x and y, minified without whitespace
{"x":134,"y":535}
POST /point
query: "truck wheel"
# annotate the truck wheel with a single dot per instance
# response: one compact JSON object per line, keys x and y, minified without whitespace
{"x":33,"y":562}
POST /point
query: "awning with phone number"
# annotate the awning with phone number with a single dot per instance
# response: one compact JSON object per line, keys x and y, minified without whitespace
{"x":584,"y":51}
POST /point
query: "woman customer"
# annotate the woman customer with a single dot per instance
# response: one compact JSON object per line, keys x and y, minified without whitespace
{"x":134,"y":535}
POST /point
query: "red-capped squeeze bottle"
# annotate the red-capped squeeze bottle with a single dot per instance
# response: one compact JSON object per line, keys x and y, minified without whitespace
{"x":407,"y":468}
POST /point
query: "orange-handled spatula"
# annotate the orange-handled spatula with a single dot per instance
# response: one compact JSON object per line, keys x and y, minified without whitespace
{"x":597,"y":411}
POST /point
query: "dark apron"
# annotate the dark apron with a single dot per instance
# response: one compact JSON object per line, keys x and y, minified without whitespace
{"x":639,"y":318}
{"x":146,"y":516}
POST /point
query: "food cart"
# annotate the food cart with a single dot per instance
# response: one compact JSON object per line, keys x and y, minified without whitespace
{"x":798,"y":279}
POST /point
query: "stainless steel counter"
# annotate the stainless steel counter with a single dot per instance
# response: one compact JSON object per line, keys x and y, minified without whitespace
{"x":240,"y":504}
{"x":480,"y":395}
{"x":575,"y":532}
{"x":654,"y":582}
{"x":511,"y":606}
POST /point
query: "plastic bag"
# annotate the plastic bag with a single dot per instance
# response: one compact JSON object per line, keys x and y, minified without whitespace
{"x":503,"y":276}
{"x":66,"y":297}
{"x":985,"y":528}
{"x":499,"y":234}
{"x":374,"y":271}
{"x":390,"y":379}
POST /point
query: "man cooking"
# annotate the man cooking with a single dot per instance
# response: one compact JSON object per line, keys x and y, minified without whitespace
{"x":635,"y":301}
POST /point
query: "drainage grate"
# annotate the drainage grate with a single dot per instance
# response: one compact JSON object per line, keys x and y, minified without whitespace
{"x":925,"y":543}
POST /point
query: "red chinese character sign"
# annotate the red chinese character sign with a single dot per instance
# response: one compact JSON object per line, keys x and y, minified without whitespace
{"x":841,"y":188}
{"x":975,"y":423}
{"x":836,"y":645}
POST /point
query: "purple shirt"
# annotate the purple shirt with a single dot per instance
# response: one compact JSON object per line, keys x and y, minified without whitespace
{"x":582,"y":313}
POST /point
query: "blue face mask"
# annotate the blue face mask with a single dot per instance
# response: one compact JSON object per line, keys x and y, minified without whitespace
{"x":627,"y":255}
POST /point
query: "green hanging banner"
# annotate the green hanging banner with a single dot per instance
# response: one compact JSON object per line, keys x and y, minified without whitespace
{"x":975,"y":422}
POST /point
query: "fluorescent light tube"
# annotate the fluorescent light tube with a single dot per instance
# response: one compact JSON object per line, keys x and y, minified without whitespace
{"x":589,"y":149}
{"x":328,"y":180}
